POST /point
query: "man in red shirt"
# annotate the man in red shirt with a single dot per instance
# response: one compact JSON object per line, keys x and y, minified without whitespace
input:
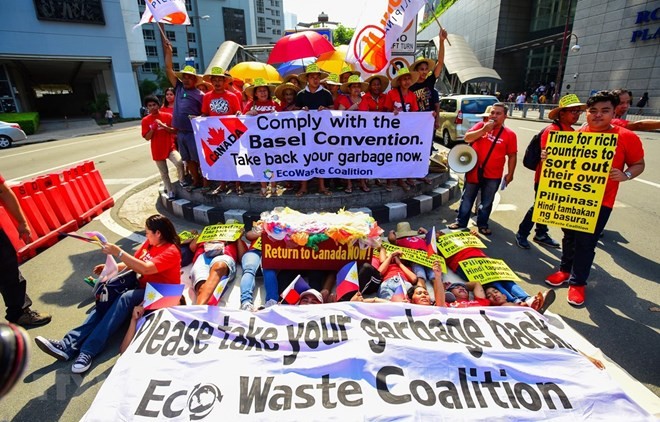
{"x":625,"y":98}
{"x":12,"y":284}
{"x":579,"y":248}
{"x":219,"y":102}
{"x":563,"y":117}
{"x":495,"y":145}
{"x":157,"y":128}
{"x":374,"y":99}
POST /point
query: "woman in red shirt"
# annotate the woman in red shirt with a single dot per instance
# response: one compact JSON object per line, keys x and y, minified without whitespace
{"x":261,"y":103}
{"x":286,"y":93}
{"x":157,"y":261}
{"x":168,"y":101}
{"x":353,"y":88}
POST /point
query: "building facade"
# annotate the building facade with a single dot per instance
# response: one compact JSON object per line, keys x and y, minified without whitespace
{"x":269,"y":18}
{"x":532,"y":44}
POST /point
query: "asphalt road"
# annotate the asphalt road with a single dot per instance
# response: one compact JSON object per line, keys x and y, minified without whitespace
{"x":620,"y":316}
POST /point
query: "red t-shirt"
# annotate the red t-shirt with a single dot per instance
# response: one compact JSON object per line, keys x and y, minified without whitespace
{"x":261,"y":107}
{"x":393,"y":100}
{"x":222,"y":104}
{"x":544,"y":142}
{"x":620,"y":122}
{"x":412,"y":242}
{"x":344,"y":100}
{"x":468,"y":303}
{"x":454,"y":261}
{"x":286,"y":107}
{"x":169,"y":110}
{"x":166,"y":258}
{"x":230,"y":250}
{"x":628,"y":151}
{"x":2,"y":179}
{"x":162,"y":142}
{"x":369,"y":104}
{"x":507,"y":144}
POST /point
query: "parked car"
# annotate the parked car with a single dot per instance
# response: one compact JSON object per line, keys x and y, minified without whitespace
{"x":10,"y":133}
{"x":458,"y":113}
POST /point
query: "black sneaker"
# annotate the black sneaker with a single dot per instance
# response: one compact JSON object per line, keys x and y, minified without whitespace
{"x":82,"y":363}
{"x":546,"y":240}
{"x":522,"y":242}
{"x":55,"y":348}
{"x":32,"y":318}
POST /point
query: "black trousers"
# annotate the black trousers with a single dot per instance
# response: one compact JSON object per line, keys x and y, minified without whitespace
{"x":12,"y":284}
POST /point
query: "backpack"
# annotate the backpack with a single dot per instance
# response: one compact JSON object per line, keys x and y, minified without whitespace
{"x":532,"y":156}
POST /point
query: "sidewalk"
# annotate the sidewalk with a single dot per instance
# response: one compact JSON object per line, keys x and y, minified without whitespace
{"x":55,"y":130}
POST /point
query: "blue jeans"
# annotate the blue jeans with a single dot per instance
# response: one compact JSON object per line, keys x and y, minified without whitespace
{"x":512,"y":291}
{"x":526,"y":225}
{"x":470,"y":192}
{"x":389,"y":286}
{"x":250,"y":263}
{"x":578,"y":250}
{"x":91,"y":336}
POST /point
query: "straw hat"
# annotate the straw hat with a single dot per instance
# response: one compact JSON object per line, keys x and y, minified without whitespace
{"x":429,"y":62}
{"x":216,"y":71}
{"x":290,"y":77}
{"x":403,"y":230}
{"x":347,"y":69}
{"x":332,"y":79}
{"x":279,"y":91}
{"x":208,"y":85}
{"x":402,"y":72}
{"x":486,"y":112}
{"x":257,"y":83}
{"x":188,"y":70}
{"x":354,"y":79}
{"x":567,"y":101}
{"x":384,"y":82}
{"x":312,"y":68}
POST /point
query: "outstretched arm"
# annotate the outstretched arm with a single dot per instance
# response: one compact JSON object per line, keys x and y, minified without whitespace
{"x":441,"y":54}
{"x":169,"y":68}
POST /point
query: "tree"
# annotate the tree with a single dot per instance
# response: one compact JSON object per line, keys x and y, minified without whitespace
{"x":342,"y":35}
{"x":147,"y":87}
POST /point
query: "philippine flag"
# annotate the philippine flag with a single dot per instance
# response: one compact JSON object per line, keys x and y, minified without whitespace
{"x":217,"y":293}
{"x":160,"y":295}
{"x":347,"y":279}
{"x":431,"y":247}
{"x":399,"y":294}
{"x":96,"y":236}
{"x":291,"y":294}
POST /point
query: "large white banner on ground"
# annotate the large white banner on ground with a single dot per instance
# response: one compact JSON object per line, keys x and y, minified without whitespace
{"x":356,"y":361}
{"x":300,"y":145}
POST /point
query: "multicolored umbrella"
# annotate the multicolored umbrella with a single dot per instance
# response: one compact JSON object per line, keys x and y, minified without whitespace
{"x":249,"y":71}
{"x":299,"y":45}
{"x":334,"y":61}
{"x":295,"y":66}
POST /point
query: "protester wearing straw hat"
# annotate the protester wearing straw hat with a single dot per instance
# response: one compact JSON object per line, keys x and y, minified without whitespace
{"x":286,"y":93}
{"x":353,"y":89}
{"x":429,"y":72}
{"x":374,"y":99}
{"x":332,"y":84}
{"x":292,"y":79}
{"x":188,"y":104}
{"x":345,"y":73}
{"x":314,"y":97}
{"x":564,"y":116}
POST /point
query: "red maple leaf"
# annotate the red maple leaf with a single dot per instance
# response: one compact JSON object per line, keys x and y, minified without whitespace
{"x":207,"y":154}
{"x":216,"y":137}
{"x":234,"y":125}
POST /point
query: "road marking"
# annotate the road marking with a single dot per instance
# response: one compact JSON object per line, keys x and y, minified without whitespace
{"x":49,"y":148}
{"x":123,"y":181}
{"x":655,"y":185}
{"x":18,"y":179}
{"x":531,"y":130}
{"x":506,"y":207}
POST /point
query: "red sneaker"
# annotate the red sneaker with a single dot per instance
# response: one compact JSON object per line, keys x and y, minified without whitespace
{"x":557,"y":279}
{"x":576,"y":295}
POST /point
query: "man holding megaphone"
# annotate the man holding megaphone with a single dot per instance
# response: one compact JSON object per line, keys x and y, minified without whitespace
{"x":496,"y":146}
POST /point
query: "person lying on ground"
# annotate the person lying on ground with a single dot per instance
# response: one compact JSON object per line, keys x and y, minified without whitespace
{"x":394,"y":272}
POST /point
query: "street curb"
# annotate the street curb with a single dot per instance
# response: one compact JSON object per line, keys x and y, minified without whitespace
{"x":386,"y":213}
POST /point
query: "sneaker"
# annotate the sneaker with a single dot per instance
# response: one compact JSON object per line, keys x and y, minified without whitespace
{"x":82,"y":363}
{"x":184,"y":184}
{"x":576,"y":295}
{"x":546,"y":240}
{"x":247,"y":306}
{"x":171,"y":195}
{"x":270,"y":302}
{"x":522,"y":242}
{"x":55,"y":348}
{"x":557,"y":279}
{"x":32,"y":318}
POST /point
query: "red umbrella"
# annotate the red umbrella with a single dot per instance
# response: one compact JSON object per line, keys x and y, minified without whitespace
{"x":299,"y":45}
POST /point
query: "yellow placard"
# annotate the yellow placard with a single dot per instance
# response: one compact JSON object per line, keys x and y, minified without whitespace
{"x":451,"y":243}
{"x":417,"y":256}
{"x":487,"y":270}
{"x":225,"y":232}
{"x":573,"y":179}
{"x":257,"y":244}
{"x":186,"y":235}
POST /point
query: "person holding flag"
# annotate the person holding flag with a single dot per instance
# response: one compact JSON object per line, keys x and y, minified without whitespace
{"x":395,"y":274}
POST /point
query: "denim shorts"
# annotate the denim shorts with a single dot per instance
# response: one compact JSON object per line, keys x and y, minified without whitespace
{"x":388,"y":287}
{"x":202,"y":267}
{"x":187,"y":146}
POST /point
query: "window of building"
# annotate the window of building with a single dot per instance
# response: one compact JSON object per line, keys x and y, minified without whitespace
{"x":148,"y":34}
{"x":171,"y":35}
{"x":189,"y":5}
{"x":260,"y":6}
{"x":176,"y":67}
{"x":175,"y":51}
{"x":547,"y":14}
{"x":191,"y":37}
{"x":277,"y":22}
{"x":150,"y":67}
{"x":261,"y":25}
{"x":277,"y":12}
{"x":277,"y":3}
{"x":192,"y":52}
{"x":234,"y":27}
{"x":141,"y":3}
{"x":151,"y":50}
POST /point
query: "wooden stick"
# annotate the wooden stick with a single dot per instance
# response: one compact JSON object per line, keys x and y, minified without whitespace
{"x":437,"y":21}
{"x":162,"y":32}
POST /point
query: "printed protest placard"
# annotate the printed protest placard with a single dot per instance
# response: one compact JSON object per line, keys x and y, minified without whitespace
{"x":452,"y":243}
{"x":301,"y":145}
{"x":329,"y":255}
{"x":224,"y":232}
{"x":573,"y":179}
{"x":186,"y":235}
{"x":487,"y":270}
{"x":416,"y":256}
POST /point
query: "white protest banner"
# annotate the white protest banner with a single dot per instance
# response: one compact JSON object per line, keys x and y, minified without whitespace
{"x":301,"y":145}
{"x":165,"y":11}
{"x":356,"y":361}
{"x":379,"y":27}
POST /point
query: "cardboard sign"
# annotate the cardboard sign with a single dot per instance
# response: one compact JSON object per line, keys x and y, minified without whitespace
{"x":417,"y":256}
{"x":225,"y":232}
{"x":186,"y":235}
{"x":487,"y":270}
{"x":452,"y":243}
{"x":573,"y":179}
{"x":280,"y":255}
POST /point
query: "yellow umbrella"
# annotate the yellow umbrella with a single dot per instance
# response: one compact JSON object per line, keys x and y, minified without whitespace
{"x":249,"y":71}
{"x":334,"y":61}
